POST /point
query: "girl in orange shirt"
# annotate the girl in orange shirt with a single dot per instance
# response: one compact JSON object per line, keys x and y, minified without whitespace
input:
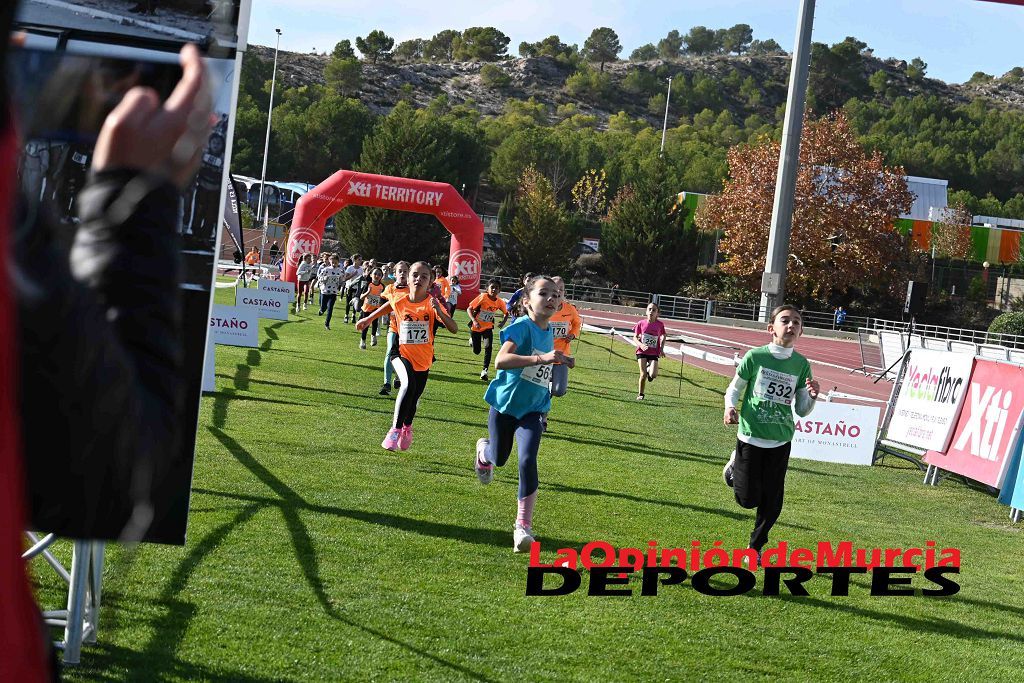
{"x":415,"y":314}
{"x":372,"y":300}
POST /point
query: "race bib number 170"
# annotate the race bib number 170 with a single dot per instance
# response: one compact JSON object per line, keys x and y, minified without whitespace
{"x":413,"y":332}
{"x":559,"y":330}
{"x":775,"y":386}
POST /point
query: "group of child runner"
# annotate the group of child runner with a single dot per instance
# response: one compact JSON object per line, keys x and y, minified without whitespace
{"x":533,"y":362}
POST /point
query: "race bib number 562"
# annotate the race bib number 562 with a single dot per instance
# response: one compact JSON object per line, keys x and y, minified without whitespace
{"x":537,"y":374}
{"x":413,"y":332}
{"x":775,"y":386}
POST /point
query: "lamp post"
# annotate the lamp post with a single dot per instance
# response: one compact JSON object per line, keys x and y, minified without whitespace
{"x":266,"y":148}
{"x":664,"y":125}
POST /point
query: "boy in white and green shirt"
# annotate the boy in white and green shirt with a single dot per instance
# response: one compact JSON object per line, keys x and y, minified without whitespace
{"x":772,"y":381}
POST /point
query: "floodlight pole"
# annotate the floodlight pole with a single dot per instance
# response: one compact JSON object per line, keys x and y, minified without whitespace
{"x":664,"y":125}
{"x":266,"y":149}
{"x":773,"y":281}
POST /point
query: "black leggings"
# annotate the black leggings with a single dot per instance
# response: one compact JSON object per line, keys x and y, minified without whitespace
{"x":487,"y":337}
{"x":759,"y":481}
{"x":365,"y":314}
{"x":413,"y":384}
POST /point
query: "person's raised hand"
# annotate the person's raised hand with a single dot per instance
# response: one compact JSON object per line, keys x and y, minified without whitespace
{"x":167,"y":139}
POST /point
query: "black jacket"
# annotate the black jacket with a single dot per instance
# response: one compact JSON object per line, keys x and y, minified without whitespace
{"x":100,"y":357}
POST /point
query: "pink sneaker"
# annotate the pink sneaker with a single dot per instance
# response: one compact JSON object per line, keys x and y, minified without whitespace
{"x":405,"y":438}
{"x":392,"y":442}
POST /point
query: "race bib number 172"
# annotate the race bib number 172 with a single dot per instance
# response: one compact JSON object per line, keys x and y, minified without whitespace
{"x":413,"y":332}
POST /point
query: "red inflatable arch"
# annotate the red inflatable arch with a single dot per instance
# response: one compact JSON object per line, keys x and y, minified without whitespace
{"x":345,"y":188}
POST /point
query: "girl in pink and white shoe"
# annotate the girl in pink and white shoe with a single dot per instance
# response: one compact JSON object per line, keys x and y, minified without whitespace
{"x":416,"y":313}
{"x":519,"y":397}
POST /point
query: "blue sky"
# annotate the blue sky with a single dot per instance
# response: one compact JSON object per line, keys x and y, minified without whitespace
{"x":955,"y":37}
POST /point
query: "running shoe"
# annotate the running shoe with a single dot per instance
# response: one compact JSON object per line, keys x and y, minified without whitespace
{"x":757,"y":561}
{"x":483,"y":376}
{"x":346,"y":318}
{"x":320,"y":312}
{"x":639,"y":397}
{"x":385,"y":390}
{"x":326,"y":326}
{"x":650,"y":377}
{"x":362,"y":344}
{"x":405,"y":438}
{"x":373,"y":340}
{"x":484,"y":469}
{"x":727,"y":470}
{"x":391,"y":442}
{"x":397,"y":383}
{"x":522,"y":538}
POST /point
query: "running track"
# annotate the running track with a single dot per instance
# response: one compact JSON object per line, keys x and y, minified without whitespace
{"x":832,"y":360}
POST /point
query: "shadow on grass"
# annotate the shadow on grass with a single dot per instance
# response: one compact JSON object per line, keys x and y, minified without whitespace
{"x":290,"y":503}
{"x":157,"y":659}
{"x":937,"y":626}
{"x":231,"y":396}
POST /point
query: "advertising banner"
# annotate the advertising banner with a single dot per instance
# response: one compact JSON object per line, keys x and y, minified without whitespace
{"x":837,"y":432}
{"x":1012,"y":491}
{"x":930,"y":398}
{"x":277,"y":286}
{"x":273,"y":305}
{"x":234,"y":326}
{"x":988,"y":424}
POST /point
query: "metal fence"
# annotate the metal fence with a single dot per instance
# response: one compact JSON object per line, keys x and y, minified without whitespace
{"x":825,"y":320}
{"x":951,"y":334}
{"x":685,"y":308}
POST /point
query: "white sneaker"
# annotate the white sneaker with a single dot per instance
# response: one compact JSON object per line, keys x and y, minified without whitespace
{"x":727,"y":470}
{"x":485,"y":473}
{"x":362,"y":344}
{"x":373,"y":340}
{"x":483,"y":375}
{"x":522,"y":537}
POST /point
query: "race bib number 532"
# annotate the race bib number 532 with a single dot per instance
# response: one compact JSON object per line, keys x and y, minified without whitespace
{"x":413,"y":332}
{"x":775,"y":386}
{"x":537,"y":374}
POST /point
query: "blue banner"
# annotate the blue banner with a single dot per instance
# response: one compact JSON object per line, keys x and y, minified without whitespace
{"x":1012,"y":493}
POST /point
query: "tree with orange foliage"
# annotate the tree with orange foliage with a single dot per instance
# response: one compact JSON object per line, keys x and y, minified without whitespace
{"x":844,"y":210}
{"x":951,"y":234}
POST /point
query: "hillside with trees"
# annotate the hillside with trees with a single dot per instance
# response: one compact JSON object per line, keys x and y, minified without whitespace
{"x":568,"y":112}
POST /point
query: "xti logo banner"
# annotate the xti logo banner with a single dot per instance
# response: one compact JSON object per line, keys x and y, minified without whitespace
{"x":987,"y":426}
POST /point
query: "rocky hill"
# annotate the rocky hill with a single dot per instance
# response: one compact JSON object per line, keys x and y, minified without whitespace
{"x":543,"y":79}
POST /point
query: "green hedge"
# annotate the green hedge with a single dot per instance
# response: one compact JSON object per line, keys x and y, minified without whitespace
{"x":1007,"y":323}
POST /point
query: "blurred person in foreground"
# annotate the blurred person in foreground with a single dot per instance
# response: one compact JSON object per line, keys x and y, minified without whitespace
{"x":96,"y":337}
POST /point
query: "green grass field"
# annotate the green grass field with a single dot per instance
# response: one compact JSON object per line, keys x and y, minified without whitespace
{"x":313,"y":554}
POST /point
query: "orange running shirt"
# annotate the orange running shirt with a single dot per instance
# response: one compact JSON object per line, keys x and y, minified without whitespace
{"x":392,"y":292}
{"x":446,"y":287}
{"x":415,"y":331}
{"x":374,"y":297}
{"x":564,"y":322}
{"x":488,"y":308}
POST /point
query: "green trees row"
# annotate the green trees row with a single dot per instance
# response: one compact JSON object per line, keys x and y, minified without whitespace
{"x":488,"y":44}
